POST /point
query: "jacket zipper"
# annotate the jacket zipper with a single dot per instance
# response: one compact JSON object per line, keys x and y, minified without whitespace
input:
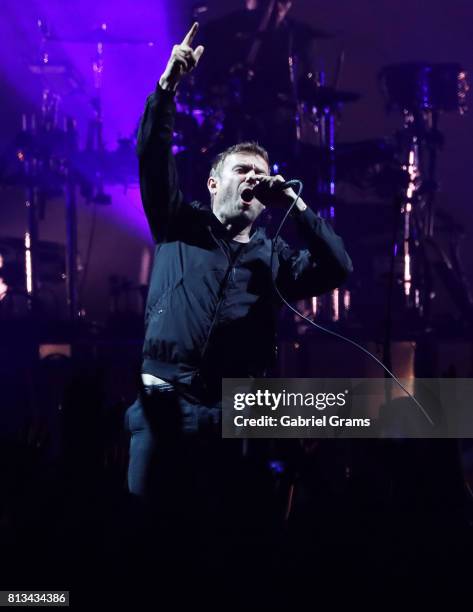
{"x":223,"y":286}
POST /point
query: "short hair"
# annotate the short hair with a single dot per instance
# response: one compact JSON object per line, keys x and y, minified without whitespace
{"x":242,"y":147}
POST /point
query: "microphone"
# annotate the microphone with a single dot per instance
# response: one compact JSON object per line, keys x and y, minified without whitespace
{"x":248,"y":194}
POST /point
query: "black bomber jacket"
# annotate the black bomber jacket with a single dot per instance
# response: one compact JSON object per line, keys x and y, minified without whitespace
{"x":212,"y":309}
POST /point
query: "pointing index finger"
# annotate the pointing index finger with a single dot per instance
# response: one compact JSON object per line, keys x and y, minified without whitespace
{"x":189,"y":37}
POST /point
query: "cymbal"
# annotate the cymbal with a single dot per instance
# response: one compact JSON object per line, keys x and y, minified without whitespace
{"x":365,"y":152}
{"x":244,"y":24}
{"x":425,"y":86}
{"x":312,"y":32}
{"x":101,"y":35}
{"x":323,"y":96}
{"x":305,"y":30}
{"x":352,"y":157}
{"x":48,"y":68}
{"x":51,"y":261}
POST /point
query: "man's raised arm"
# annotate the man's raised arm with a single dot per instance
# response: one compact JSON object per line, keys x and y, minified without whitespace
{"x":158,"y":175}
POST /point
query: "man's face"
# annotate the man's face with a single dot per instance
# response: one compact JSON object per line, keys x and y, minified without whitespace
{"x":239,"y":171}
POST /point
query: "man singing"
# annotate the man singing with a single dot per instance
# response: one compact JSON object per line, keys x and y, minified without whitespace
{"x":212,"y":307}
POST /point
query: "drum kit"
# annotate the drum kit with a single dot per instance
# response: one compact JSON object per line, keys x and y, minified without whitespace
{"x":301,"y":130}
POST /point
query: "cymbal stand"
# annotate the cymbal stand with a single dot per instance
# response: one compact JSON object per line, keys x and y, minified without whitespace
{"x":46,"y":152}
{"x":71,"y":226}
{"x":95,"y":129}
{"x":35,"y":153}
{"x":420,"y":140}
{"x":29,"y":155}
{"x":292,"y":65}
{"x":331,"y":305}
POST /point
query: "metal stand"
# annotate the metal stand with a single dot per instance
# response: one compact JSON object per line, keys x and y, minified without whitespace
{"x":71,"y":249}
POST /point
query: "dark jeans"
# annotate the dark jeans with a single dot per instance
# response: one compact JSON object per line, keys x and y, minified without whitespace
{"x":170,"y":435}
{"x":204,"y":508}
{"x":199,"y":490}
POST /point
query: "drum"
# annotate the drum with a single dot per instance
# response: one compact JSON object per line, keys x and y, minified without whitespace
{"x":51,"y":296}
{"x":420,"y":86}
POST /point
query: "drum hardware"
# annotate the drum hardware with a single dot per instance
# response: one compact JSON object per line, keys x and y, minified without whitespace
{"x":235,"y":85}
{"x":46,"y":172}
{"x":422,"y":87}
{"x":323,"y":104}
{"x":421,"y":92}
{"x":50,"y":163}
{"x":205,"y":116}
{"x":198,"y":9}
{"x":96,"y":36}
{"x":126,"y":297}
{"x":50,"y":275}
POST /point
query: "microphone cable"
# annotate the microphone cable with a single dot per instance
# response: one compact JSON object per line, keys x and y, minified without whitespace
{"x":329,"y":331}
